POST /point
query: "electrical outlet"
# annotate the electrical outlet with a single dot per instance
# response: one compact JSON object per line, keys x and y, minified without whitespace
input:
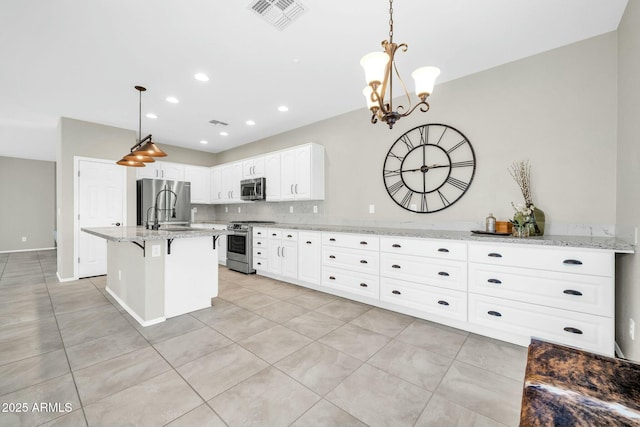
{"x":194,"y":209}
{"x":632,"y":329}
{"x":290,"y":209}
{"x":315,"y":209}
{"x":372,"y":208}
{"x":156,"y":250}
{"x":239,"y":209}
{"x":226,"y":209}
{"x":119,"y":274}
{"x":24,"y":239}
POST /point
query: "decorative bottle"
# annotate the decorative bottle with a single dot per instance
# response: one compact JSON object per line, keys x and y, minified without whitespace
{"x":490,"y":224}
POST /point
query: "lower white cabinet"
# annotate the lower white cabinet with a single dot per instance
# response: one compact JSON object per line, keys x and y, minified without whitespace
{"x":221,"y":242}
{"x":362,"y":284}
{"x":282,"y":253}
{"x":309,"y":257}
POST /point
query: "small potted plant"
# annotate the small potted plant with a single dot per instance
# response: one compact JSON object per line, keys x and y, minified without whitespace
{"x":521,"y":220}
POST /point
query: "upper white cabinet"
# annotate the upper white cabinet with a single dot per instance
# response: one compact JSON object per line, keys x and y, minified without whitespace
{"x":216,"y":184}
{"x":302,"y":173}
{"x":231,"y":174}
{"x":272,"y":176}
{"x":162,"y":170}
{"x":200,"y":180}
{"x":253,"y":168}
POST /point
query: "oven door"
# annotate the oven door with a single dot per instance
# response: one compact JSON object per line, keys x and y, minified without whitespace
{"x":238,"y":246}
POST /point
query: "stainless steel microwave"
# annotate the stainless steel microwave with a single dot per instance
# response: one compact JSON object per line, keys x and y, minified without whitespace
{"x":253,"y":189}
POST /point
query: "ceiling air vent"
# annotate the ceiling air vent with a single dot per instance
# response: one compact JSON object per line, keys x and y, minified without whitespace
{"x":218,"y":122}
{"x":279,"y":13}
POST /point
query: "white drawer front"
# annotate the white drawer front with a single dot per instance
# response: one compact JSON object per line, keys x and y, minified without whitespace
{"x":354,"y":241}
{"x":430,"y":299}
{"x":587,"y":294}
{"x":443,"y":249}
{"x":428,"y":271}
{"x":348,"y":281}
{"x":289,"y":235}
{"x":259,"y":252}
{"x":589,"y":332}
{"x":260,"y":264}
{"x":566,"y":260}
{"x":260,"y":243}
{"x":351,"y":259}
{"x":259,"y":233}
{"x":274,"y":233}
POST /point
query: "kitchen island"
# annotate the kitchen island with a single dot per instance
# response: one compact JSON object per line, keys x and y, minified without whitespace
{"x":158,"y":274}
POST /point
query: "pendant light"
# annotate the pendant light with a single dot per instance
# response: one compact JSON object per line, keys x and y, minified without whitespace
{"x":145,"y":150}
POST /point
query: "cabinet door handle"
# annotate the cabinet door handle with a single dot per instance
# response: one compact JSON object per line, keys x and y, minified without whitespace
{"x":282,"y":252}
{"x":494,"y":313}
{"x":259,"y":263}
{"x":573,"y":330}
{"x":308,"y":242}
{"x":572,"y":262}
{"x":572,"y":292}
{"x":289,"y":236}
{"x":494,"y":255}
{"x":363,"y":243}
{"x":278,"y":250}
{"x":395,"y":266}
{"x":274,"y":234}
{"x":396,"y":292}
{"x":443,"y":302}
{"x":332,"y":278}
{"x":258,"y":243}
{"x":332,"y":256}
{"x":259,"y":253}
{"x":363,"y":261}
{"x":443,"y":250}
{"x":395,"y":245}
{"x":364,"y":285}
{"x":296,"y":188}
{"x":443,"y":273}
{"x":496,"y":281}
{"x":332,"y":239}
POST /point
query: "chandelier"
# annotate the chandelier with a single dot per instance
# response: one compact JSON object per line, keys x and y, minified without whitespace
{"x":379,"y":68}
{"x":145,"y":150}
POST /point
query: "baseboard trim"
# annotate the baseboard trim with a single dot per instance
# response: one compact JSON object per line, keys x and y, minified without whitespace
{"x":132,"y":313}
{"x":619,"y":353}
{"x":61,"y":280}
{"x":27,"y":250}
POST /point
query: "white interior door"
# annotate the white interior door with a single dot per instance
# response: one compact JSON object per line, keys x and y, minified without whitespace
{"x":101,"y":192}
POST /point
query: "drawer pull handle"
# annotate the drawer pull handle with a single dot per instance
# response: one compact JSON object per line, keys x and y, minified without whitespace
{"x":258,"y":243}
{"x":572,"y":262}
{"x":443,"y":273}
{"x":308,"y":242}
{"x":363,"y":243}
{"x":443,"y":302}
{"x":332,"y":256}
{"x":395,"y":245}
{"x":494,"y":313}
{"x":443,"y":250}
{"x":495,"y":255}
{"x":363,"y":261}
{"x":395,"y":266}
{"x":573,"y":330}
{"x":289,"y":236}
{"x":332,"y":278}
{"x":396,"y":292}
{"x":259,"y":263}
{"x":496,"y":281}
{"x":332,"y":239}
{"x":364,"y":285}
{"x":274,"y":234}
{"x":259,"y":253}
{"x":572,"y":292}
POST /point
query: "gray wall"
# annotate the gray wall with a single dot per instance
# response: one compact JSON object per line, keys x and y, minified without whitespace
{"x":27,"y":204}
{"x":84,"y":139}
{"x":557,"y":109}
{"x":628,"y":206}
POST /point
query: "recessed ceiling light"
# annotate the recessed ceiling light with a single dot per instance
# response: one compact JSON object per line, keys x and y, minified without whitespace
{"x":296,"y":60}
{"x":283,"y":108}
{"x":224,"y":133}
{"x":204,"y":142}
{"x":172,"y":100}
{"x":250,"y":123}
{"x":201,"y":76}
{"x":151,"y":116}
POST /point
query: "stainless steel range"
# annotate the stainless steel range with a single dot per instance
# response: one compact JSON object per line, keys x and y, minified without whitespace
{"x":240,"y":245}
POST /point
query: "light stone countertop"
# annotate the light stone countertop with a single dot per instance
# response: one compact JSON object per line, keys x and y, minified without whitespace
{"x":586,"y":242}
{"x":140,"y":234}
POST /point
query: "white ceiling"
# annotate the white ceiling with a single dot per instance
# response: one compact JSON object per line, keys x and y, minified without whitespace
{"x":81,"y":59}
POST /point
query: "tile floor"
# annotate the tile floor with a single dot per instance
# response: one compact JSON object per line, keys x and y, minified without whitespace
{"x":266,"y":354}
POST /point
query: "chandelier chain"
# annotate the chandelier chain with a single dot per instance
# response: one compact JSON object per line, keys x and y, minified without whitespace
{"x":390,"y":21}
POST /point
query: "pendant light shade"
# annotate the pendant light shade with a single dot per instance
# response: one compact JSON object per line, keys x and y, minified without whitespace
{"x":139,"y":158}
{"x":130,"y":163}
{"x":150,"y":149}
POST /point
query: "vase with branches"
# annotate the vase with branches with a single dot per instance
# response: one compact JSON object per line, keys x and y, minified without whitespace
{"x":521,"y":173}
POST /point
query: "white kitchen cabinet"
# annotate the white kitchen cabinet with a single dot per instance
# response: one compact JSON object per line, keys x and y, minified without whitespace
{"x":200,"y":179}
{"x":272,"y":177}
{"x":231,"y":175}
{"x":221,"y":242}
{"x":282,"y":252}
{"x":253,"y":168}
{"x":216,"y":184}
{"x":162,"y":170}
{"x":302,"y":173}
{"x":309,"y":257}
{"x":260,"y":250}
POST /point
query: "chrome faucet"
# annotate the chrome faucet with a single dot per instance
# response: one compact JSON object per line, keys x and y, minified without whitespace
{"x":156,"y":209}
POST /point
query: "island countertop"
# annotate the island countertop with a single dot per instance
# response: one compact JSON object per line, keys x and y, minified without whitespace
{"x":140,"y":234}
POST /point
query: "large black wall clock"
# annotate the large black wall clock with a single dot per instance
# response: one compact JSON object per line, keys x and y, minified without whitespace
{"x":429,"y":168}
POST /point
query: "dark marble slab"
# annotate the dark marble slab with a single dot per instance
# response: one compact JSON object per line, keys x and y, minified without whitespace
{"x":569,"y":387}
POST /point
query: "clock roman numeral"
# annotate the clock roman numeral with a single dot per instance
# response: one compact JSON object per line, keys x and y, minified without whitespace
{"x":407,"y":141}
{"x":455,"y":147}
{"x":464,"y":164}
{"x":394,"y":188}
{"x":395,"y":156}
{"x":424,"y":135}
{"x":461,"y":185}
{"x":423,"y":203}
{"x":441,"y":136}
{"x":445,"y":202}
{"x":388,"y":173}
{"x":406,"y":200}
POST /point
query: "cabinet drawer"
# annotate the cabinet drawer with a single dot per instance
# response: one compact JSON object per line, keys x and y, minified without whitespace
{"x":348,"y":281}
{"x":289,"y":235}
{"x":260,"y":243}
{"x":443,"y":249}
{"x":587,"y":294}
{"x":430,"y":299}
{"x":259,"y":252}
{"x":428,"y":271}
{"x":260,"y":264}
{"x":259,"y":233}
{"x":354,"y":241}
{"x":589,"y":332}
{"x":351,"y":259}
{"x":566,"y":260}
{"x":274,"y":233}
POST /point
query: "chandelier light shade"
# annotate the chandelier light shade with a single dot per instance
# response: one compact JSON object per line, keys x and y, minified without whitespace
{"x":379,"y":68}
{"x":145,"y":150}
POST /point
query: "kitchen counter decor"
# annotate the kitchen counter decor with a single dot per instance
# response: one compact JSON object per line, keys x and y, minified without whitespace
{"x":521,"y":174}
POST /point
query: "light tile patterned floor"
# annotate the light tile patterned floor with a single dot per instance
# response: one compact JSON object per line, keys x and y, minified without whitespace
{"x":266,"y":354}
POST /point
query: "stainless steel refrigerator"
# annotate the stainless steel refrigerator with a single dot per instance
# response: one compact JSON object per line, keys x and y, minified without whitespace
{"x":170,"y":200}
